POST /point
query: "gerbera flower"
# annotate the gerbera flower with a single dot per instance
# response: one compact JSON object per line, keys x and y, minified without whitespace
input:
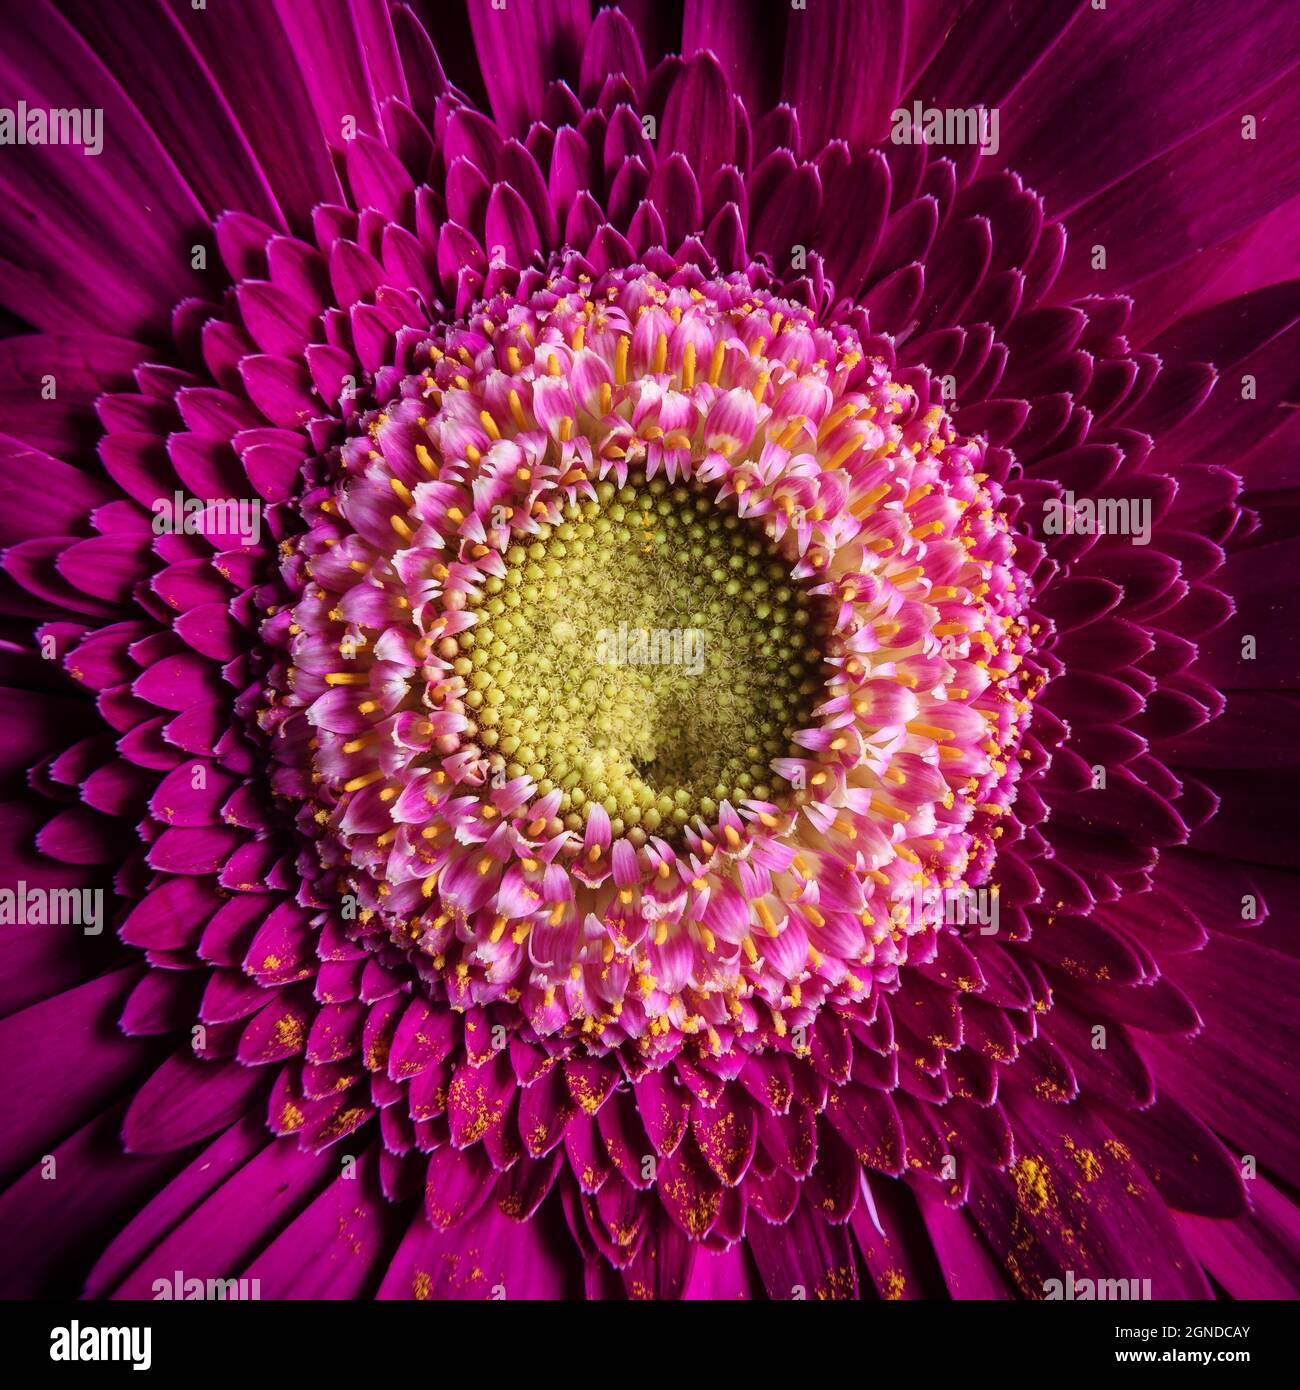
{"x":675,"y":692}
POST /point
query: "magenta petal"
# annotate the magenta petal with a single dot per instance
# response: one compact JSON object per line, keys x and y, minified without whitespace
{"x":186,"y":1100}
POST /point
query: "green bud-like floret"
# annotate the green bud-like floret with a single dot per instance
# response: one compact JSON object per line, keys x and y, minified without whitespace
{"x":655,"y":660}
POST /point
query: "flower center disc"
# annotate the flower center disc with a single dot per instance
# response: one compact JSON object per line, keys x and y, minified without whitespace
{"x":650,"y":653}
{"x":660,"y":651}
